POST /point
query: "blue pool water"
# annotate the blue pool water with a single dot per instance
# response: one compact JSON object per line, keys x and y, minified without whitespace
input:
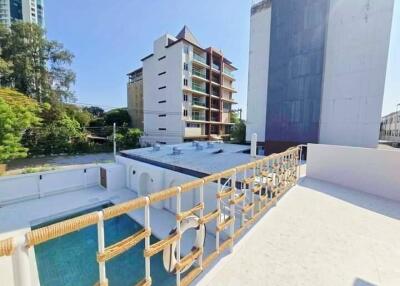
{"x":71,"y":259}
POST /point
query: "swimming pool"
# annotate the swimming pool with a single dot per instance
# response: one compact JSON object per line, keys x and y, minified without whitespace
{"x":71,"y":259}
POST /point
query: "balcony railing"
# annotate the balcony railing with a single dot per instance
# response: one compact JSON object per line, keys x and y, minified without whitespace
{"x":228,"y":72}
{"x":198,"y":117}
{"x":252,"y":178}
{"x":199,"y":58}
{"x":215,"y":93}
{"x":198,"y":87}
{"x":199,"y":103}
{"x":215,"y":66}
{"x":215,"y":79}
{"x":199,"y":74}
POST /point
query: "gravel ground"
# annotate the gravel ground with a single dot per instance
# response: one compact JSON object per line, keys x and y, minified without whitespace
{"x":55,"y":162}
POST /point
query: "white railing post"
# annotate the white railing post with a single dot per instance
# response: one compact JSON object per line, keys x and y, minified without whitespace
{"x":253,"y":183}
{"x":178,"y":231}
{"x":201,"y":215}
{"x":243,"y":190}
{"x":232,"y":210}
{"x":219,"y":216}
{"x":147,"y":238}
{"x":21,"y":263}
{"x":101,"y":247}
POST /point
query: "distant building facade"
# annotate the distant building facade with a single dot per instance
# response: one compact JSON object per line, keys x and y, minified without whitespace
{"x":31,"y":11}
{"x":317,"y":72}
{"x":135,"y":98}
{"x":390,"y":128}
{"x":187,"y":91}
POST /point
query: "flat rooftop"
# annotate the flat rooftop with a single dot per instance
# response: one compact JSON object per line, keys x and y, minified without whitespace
{"x":319,"y":234}
{"x":220,"y":157}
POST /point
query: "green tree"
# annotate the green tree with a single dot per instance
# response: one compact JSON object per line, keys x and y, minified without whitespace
{"x":238,"y":133}
{"x":95,"y":111}
{"x":17,"y":113}
{"x":35,"y":66}
{"x":58,"y":137}
{"x":79,"y":114}
{"x":119,"y":115}
{"x":128,"y":139}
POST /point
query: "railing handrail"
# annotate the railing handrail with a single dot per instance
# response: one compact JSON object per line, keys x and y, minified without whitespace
{"x":276,"y":173}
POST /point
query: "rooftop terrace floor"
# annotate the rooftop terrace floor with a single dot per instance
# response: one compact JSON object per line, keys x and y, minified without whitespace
{"x":319,"y":234}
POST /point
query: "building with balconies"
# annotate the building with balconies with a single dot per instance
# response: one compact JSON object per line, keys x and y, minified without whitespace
{"x":187,"y":91}
{"x":31,"y":11}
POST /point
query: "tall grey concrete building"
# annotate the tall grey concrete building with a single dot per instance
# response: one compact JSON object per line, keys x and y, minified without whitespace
{"x":317,"y":71}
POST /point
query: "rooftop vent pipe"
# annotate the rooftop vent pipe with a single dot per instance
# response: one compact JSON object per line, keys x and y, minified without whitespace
{"x":253,"y":148}
{"x":176,"y":151}
{"x":156,"y":147}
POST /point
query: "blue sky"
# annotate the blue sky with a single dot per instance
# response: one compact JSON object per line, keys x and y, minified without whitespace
{"x":109,"y":38}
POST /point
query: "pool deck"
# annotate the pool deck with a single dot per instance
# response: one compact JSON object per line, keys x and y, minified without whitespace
{"x":319,"y":234}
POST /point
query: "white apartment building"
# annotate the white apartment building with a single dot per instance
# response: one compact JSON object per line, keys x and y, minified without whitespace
{"x":31,"y":11}
{"x":317,"y":72}
{"x":187,"y":91}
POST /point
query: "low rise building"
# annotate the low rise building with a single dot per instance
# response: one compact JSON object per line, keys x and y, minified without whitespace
{"x":390,"y":128}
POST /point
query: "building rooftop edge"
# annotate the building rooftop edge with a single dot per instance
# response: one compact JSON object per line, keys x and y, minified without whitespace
{"x":264,"y":4}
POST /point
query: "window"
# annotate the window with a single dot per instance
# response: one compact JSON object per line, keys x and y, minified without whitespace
{"x":160,"y":59}
{"x":185,"y":82}
{"x":185,"y":113}
{"x":162,"y":129}
{"x":185,"y":66}
{"x":162,"y":87}
{"x":162,"y":115}
{"x":162,"y":101}
{"x":186,"y":49}
{"x":185,"y":97}
{"x":161,"y":73}
{"x":161,"y":142}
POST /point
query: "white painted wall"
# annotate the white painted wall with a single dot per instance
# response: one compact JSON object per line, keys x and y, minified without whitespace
{"x":260,"y":29}
{"x":173,"y":80}
{"x":161,"y":179}
{"x":373,"y":171}
{"x":356,"y":55}
{"x":30,"y":186}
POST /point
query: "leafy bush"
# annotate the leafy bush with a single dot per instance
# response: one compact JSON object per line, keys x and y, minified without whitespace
{"x":17,"y":113}
{"x":239,"y":132}
{"x":128,"y":139}
{"x":58,"y":137}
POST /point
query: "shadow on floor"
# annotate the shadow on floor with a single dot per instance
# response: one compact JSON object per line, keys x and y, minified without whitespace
{"x":361,"y":282}
{"x":373,"y":203}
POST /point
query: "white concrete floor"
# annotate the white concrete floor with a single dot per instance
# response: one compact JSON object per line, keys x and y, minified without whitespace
{"x":319,"y":234}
